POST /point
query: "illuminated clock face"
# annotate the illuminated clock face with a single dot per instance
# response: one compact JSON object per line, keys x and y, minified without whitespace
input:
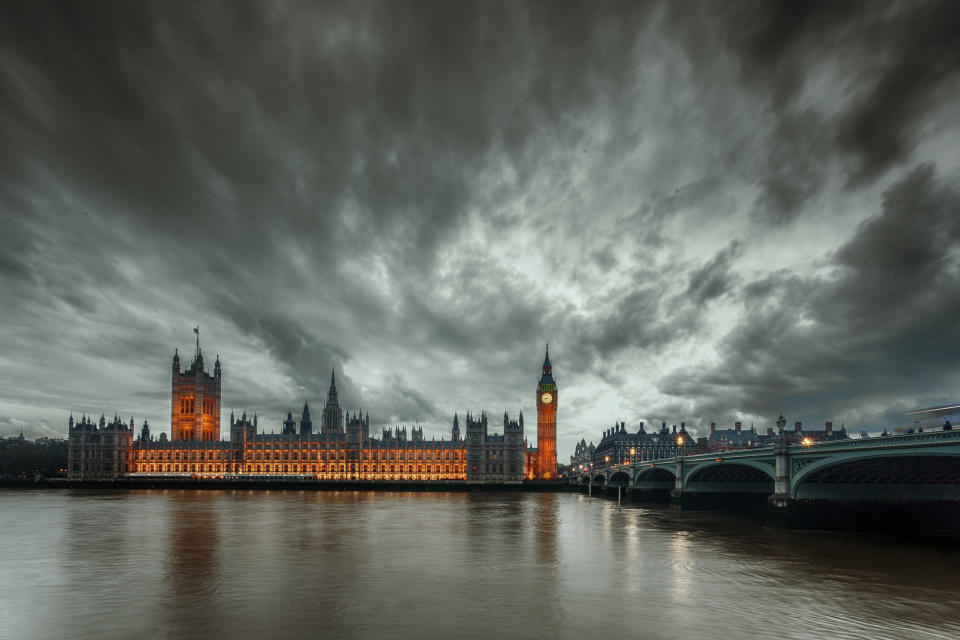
{"x":546,"y":398}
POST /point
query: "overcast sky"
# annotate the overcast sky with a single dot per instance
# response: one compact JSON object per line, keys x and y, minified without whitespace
{"x":712,"y":211}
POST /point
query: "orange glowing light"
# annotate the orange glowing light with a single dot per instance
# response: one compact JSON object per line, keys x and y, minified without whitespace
{"x":807,"y":442}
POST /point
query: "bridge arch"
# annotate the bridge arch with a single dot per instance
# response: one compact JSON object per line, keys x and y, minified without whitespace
{"x":724,"y":466}
{"x":746,"y":477}
{"x":619,"y":478}
{"x":599,"y":479}
{"x":654,"y":476}
{"x":930,"y":475}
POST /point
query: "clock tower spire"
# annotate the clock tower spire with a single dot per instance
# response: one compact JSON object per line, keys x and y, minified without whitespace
{"x":547,"y":422}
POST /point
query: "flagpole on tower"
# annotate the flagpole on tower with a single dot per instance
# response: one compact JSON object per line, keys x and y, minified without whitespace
{"x":196,"y":330}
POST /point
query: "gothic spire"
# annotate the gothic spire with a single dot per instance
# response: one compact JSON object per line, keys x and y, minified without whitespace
{"x":546,"y":377}
{"x":332,"y":394}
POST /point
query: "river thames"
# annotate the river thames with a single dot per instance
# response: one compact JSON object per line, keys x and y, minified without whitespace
{"x":265,"y":564}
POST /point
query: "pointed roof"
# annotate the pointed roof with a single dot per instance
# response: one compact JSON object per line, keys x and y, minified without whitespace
{"x":547,"y":376}
{"x":332,"y":398}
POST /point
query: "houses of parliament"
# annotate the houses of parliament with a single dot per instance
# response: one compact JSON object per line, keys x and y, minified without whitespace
{"x":340,"y":449}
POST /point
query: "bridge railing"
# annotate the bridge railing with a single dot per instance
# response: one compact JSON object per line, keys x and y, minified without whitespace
{"x":906,"y":439}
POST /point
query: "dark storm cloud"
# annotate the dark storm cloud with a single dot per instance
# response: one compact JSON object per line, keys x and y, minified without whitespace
{"x":418,"y":195}
{"x":713,"y":279}
{"x":886,"y":66}
{"x":873,"y":337}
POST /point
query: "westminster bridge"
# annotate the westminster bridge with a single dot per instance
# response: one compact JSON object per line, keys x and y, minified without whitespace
{"x":914,"y":476}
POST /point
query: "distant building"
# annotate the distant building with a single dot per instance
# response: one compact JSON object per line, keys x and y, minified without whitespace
{"x":582,"y":454}
{"x":618,"y":445}
{"x":739,"y":438}
{"x":827,"y":434}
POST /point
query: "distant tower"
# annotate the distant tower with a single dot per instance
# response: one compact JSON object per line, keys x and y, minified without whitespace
{"x":332,"y":413}
{"x":289,"y":425}
{"x":358,"y":428}
{"x":306,"y":426}
{"x":242,"y":429}
{"x":455,"y":434}
{"x":195,"y":399}
{"x":547,"y":422}
{"x":476,"y":442}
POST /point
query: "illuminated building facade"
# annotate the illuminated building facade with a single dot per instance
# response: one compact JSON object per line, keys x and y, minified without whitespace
{"x":195,"y":401}
{"x":546,"y":422}
{"x":307,"y":456}
{"x":342,"y":449}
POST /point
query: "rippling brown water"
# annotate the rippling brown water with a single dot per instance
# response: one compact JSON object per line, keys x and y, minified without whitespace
{"x":237,"y":564}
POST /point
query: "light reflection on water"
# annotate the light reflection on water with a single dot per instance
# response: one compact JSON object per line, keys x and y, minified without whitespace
{"x":176,"y":564}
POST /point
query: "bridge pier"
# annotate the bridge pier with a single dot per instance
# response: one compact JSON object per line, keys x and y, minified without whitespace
{"x":678,"y":498}
{"x":778,"y":505}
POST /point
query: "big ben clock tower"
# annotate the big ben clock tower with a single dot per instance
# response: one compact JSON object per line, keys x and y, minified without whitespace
{"x":547,"y":422}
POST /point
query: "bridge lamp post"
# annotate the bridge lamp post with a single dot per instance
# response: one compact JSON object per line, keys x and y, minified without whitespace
{"x":680,"y":445}
{"x":807,"y":441}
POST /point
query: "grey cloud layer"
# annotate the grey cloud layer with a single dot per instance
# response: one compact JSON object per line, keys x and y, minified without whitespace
{"x":419,"y":195}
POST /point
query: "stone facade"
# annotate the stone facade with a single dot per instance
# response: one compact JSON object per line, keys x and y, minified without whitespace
{"x":332,"y":425}
{"x":618,"y":445}
{"x":494,"y":457}
{"x":582,"y":454}
{"x":99,"y":451}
